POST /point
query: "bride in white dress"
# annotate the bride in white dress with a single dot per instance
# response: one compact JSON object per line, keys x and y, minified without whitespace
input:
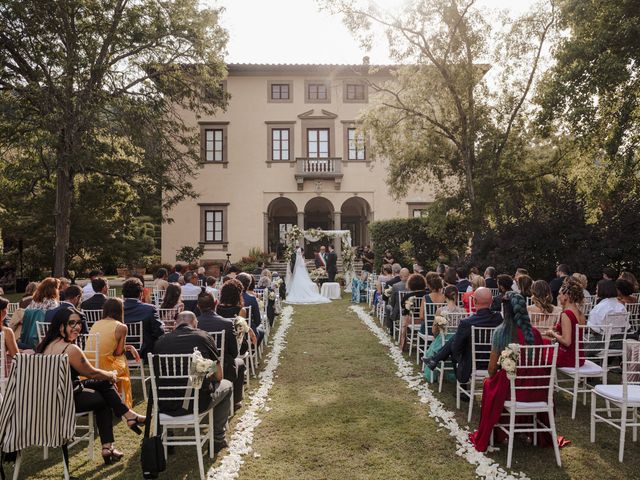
{"x":300,"y":288}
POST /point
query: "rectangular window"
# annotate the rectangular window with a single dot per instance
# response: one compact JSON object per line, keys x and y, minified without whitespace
{"x":279,"y":91}
{"x":318,"y":142}
{"x":280,"y":144}
{"x":356,"y":144}
{"x":213,"y":145}
{"x":419,"y":212}
{"x":213,"y":225}
{"x":317,"y":91}
{"x":355,"y":91}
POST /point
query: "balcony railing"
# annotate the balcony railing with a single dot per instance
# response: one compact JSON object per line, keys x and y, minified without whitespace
{"x":319,"y":169}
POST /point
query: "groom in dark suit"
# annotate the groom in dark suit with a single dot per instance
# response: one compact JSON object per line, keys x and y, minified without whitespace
{"x":332,"y":264}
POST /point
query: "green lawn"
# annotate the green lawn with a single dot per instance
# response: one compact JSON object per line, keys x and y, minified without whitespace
{"x":338,"y":411}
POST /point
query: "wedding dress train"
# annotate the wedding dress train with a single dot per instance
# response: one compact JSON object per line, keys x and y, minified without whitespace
{"x":300,"y":288}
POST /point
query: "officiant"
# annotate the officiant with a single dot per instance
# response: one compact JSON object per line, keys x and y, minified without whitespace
{"x":321,"y":258}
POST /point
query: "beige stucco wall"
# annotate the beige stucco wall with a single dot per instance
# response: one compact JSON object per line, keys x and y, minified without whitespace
{"x":248,"y":183}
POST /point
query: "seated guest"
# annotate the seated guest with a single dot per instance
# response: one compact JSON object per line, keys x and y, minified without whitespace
{"x":210,"y":322}
{"x":232,"y":272}
{"x":95,"y":394}
{"x":524,"y":283}
{"x":388,"y":259}
{"x":28,"y":295}
{"x":210,"y":283}
{"x":476,"y":282}
{"x":161,"y":282}
{"x":97,"y":300}
{"x":174,"y":277}
{"x":541,"y":299}
{"x":395,"y":278}
{"x":191,"y":286}
{"x":87,"y":290}
{"x":505,"y":282}
{"x":458,"y":348}
{"x":450,"y":277}
{"x":462,"y":282}
{"x":625,"y":292}
{"x":64,"y":284}
{"x":215,"y":390}
{"x":384,"y":277}
{"x":582,"y":280}
{"x":10,"y":344}
{"x":392,"y":309}
{"x":251,"y":301}
{"x":135,"y":311}
{"x":516,"y":276}
{"x":562,"y":271}
{"x":146,"y":292}
{"x":359,"y":287}
{"x":201,"y":276}
{"x":416,"y":266}
{"x":570,"y":297}
{"x":608,"y":303}
{"x":46,"y":295}
{"x":416,"y":287}
{"x":265,"y":279}
{"x":173,"y":298}
{"x":112,"y":346}
{"x":434,"y":295}
{"x":515,"y":328}
{"x":490,"y":275}
{"x":231,"y":306}
{"x":609,"y":273}
{"x":74,"y":295}
{"x":631,"y":278}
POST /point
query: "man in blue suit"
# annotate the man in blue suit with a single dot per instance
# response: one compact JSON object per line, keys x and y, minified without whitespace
{"x":135,"y":311}
{"x":458,"y":348}
{"x":72,"y":297}
{"x":251,"y":301}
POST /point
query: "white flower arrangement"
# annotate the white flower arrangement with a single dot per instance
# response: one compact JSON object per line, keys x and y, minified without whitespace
{"x":388,"y":291}
{"x":318,"y":273}
{"x":508,"y":360}
{"x":199,"y":368}
{"x":272,"y":295}
{"x":409,"y":302}
{"x":261,"y":304}
{"x":441,"y":322}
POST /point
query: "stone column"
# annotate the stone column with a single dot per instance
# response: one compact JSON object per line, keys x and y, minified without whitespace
{"x":337,"y":225}
{"x":265,"y":227}
{"x":301,"y":226}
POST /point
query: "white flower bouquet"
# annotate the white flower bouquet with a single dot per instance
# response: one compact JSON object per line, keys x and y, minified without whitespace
{"x":272,"y":295}
{"x":441,"y":322}
{"x":409,"y":302}
{"x":199,"y":368}
{"x":261,"y":304}
{"x":318,"y":274}
{"x":388,"y":291}
{"x":508,"y":360}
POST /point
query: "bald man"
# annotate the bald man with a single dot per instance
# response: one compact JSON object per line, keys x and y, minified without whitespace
{"x":458,"y":348}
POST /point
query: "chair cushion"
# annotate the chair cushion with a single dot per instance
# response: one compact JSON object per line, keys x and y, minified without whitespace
{"x":180,"y":419}
{"x":589,"y":368}
{"x":614,"y":392}
{"x":534,"y":406}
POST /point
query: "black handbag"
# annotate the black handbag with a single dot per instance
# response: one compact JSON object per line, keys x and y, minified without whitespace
{"x":151,"y":451}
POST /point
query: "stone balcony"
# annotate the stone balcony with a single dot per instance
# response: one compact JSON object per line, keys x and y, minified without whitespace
{"x":319,"y":169}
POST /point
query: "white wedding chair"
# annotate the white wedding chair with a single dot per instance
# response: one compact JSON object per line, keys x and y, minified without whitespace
{"x":424,"y":339}
{"x":11,"y":309}
{"x":544,"y":321}
{"x":134,"y":338}
{"x":495,"y":292}
{"x":3,"y":366}
{"x":481,"y":341}
{"x":413,"y":324}
{"x":589,"y":347}
{"x":42,"y":328}
{"x":533,"y":363}
{"x":168,"y":318}
{"x":92,"y":316}
{"x":169,"y":379}
{"x":634,"y":315}
{"x":111,"y":293}
{"x":619,"y":323}
{"x":586,"y":307}
{"x":157,"y":296}
{"x":453,"y":321}
{"x":624,"y":397}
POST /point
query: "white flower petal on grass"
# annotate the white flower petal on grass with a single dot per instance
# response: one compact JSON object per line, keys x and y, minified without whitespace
{"x":485,"y":466}
{"x":242,"y":437}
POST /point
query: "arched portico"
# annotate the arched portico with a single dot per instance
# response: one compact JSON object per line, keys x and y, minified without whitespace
{"x":282,"y":214}
{"x":318,"y":213}
{"x":355,"y":216}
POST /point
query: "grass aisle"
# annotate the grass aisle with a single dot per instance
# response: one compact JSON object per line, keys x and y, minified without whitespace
{"x":338,"y":411}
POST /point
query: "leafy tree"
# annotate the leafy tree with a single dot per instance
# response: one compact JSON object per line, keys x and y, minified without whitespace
{"x":437,"y":120}
{"x":96,"y":88}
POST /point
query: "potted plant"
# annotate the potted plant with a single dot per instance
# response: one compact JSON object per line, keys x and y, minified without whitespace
{"x":122,"y":270}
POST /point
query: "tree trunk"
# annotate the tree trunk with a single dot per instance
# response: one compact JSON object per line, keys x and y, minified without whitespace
{"x":64,"y":195}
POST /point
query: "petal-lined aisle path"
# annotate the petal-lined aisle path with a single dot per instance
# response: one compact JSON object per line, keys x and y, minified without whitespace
{"x":338,"y":410}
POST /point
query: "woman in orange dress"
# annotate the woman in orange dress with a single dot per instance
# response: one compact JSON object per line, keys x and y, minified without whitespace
{"x":112,"y":347}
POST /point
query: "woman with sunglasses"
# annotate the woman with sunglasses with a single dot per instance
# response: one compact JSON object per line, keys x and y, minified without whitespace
{"x":95,"y":394}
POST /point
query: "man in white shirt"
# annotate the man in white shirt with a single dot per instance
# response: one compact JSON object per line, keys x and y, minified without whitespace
{"x":607,"y":293}
{"x":87,"y":290}
{"x":191,"y":286}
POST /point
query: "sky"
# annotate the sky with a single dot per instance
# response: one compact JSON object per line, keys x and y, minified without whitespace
{"x":296,"y":31}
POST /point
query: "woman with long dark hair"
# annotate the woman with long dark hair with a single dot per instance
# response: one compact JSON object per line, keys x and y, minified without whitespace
{"x":95,"y":394}
{"x":173,"y":297}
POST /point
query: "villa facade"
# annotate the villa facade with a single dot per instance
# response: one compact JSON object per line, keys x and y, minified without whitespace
{"x":286,"y":152}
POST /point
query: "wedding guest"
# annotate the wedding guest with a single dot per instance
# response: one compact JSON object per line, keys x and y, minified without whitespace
{"x":625,"y":292}
{"x":146,"y":292}
{"x":191,"y":287}
{"x":74,"y":295}
{"x":201,"y":276}
{"x":519,"y":272}
{"x":10,"y":344}
{"x":524,"y":283}
{"x":265,"y":279}
{"x":173,"y":298}
{"x":395,"y":278}
{"x":46,"y":295}
{"x":416,"y":287}
{"x":87,"y":290}
{"x":505,"y":282}
{"x":450,"y":277}
{"x":174,"y":277}
{"x":135,"y":311}
{"x":608,"y":303}
{"x":562,"y":271}
{"x":215,"y":390}
{"x":490,"y":275}
{"x":631,"y":278}
{"x":476,"y":282}
{"x":64,"y":284}
{"x":541,"y":299}
{"x":393,"y":306}
{"x":112,"y":346}
{"x":209,"y":288}
{"x":415,"y":265}
{"x":97,"y":300}
{"x":388,"y":258}
{"x":231,"y":306}
{"x":367,"y":258}
{"x":384,"y":277}
{"x":462,"y":282}
{"x":234,"y":367}
{"x":441,"y":269}
{"x":570,"y":297}
{"x":95,"y":394}
{"x":359,"y":287}
{"x":609,"y":273}
{"x":582,"y":280}
{"x":458,"y":348}
{"x":28,"y":295}
{"x":250,"y":300}
{"x":161,"y":280}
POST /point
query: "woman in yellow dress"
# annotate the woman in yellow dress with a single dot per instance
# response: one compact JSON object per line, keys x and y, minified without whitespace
{"x":112,"y":347}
